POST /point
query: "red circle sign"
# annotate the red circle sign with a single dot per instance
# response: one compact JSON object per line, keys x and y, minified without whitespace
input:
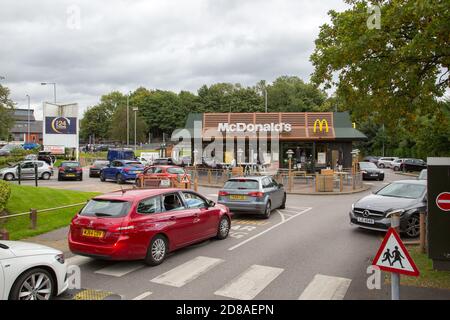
{"x":443,"y":201}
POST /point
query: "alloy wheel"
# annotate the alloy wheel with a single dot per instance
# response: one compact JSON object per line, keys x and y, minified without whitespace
{"x":413,"y":227}
{"x":224,"y":227}
{"x":37,"y":286}
{"x":158,"y":249}
{"x":9,"y":177}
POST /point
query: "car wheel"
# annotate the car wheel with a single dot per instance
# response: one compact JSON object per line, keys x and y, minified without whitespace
{"x":9,"y":177}
{"x":413,"y":226}
{"x":59,"y":178}
{"x":381,"y":165}
{"x":34,"y":284}
{"x":45,"y":176}
{"x":223,"y":228}
{"x":157,"y":251}
{"x":283,"y":204}
{"x":102,"y":177}
{"x":119,"y":179}
{"x":267,"y":211}
{"x":396,"y":168}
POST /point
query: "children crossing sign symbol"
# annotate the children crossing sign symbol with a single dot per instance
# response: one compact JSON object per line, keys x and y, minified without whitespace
{"x":393,"y":256}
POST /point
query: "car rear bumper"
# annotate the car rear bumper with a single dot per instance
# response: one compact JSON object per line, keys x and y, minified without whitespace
{"x":94,"y":172}
{"x":77,"y":175}
{"x":368,"y":176}
{"x":116,"y":251}
{"x":244,"y":207}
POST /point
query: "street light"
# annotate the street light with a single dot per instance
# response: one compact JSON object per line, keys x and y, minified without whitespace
{"x":135,"y":109}
{"x":28,"y":119}
{"x":54,"y":88}
{"x":265,"y":97}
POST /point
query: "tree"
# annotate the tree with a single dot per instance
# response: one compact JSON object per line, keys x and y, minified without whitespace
{"x":394,"y":73}
{"x":6,"y":109}
{"x":118,"y":128}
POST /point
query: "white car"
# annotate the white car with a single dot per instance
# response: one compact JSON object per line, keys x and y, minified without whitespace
{"x":386,"y":162}
{"x":31,"y":271}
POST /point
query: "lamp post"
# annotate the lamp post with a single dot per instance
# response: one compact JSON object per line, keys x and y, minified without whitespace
{"x":289,"y":154}
{"x":135,"y":109}
{"x":54,"y":89}
{"x":265,"y":98}
{"x":128,"y":118}
{"x":28,"y":119}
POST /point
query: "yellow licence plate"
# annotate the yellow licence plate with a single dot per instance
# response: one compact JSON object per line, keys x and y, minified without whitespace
{"x":237,"y":197}
{"x":70,"y":175}
{"x":92,"y":233}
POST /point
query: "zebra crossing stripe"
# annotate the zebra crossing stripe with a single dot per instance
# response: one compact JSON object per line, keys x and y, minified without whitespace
{"x":250,"y":283}
{"x":326,"y":288}
{"x":120,"y":269}
{"x":142,"y":296}
{"x":185,"y":273}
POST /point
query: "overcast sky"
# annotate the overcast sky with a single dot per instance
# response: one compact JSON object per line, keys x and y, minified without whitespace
{"x":90,"y":48}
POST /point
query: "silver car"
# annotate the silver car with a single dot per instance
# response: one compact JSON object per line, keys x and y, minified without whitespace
{"x":386,"y":162}
{"x":27,"y":171}
{"x":253,"y":195}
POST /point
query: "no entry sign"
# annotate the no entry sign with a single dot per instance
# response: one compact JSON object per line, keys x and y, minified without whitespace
{"x":443,"y":201}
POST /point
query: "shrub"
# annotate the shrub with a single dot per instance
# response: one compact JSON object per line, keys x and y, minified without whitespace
{"x":5,"y":193}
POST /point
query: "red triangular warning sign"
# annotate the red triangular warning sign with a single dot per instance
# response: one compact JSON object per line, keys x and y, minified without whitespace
{"x":393,"y":256}
{"x":185,"y":178}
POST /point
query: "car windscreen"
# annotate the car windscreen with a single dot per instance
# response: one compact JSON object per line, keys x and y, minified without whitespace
{"x":175,"y":170}
{"x":106,"y":208}
{"x":367,"y":165}
{"x":403,"y":190}
{"x":100,"y":163}
{"x":242,"y":184}
{"x":70,"y":164}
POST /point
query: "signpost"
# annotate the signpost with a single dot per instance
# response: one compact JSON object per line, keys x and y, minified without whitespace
{"x":393,"y":257}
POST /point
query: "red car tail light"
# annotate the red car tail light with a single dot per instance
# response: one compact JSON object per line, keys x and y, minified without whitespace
{"x":61,"y":169}
{"x":256,"y":194}
{"x":79,"y":169}
{"x":126,"y":169}
{"x":223,"y":193}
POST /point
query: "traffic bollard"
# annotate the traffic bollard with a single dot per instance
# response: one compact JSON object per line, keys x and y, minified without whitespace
{"x":33,"y":219}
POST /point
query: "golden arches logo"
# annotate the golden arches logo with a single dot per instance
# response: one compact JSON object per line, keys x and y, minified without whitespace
{"x":321,"y":124}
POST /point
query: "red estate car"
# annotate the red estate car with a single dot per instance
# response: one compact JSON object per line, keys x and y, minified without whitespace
{"x":145,"y":224}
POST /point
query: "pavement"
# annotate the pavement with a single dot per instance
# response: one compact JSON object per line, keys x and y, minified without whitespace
{"x":306,"y":251}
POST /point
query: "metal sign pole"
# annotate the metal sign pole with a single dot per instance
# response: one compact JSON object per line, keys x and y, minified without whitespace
{"x":395,"y":277}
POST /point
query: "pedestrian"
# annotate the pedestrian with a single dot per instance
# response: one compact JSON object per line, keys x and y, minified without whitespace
{"x":387,"y":256}
{"x":397,"y":255}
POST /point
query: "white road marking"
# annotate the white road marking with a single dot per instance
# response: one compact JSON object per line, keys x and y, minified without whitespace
{"x":120,"y":269}
{"x":185,"y":273}
{"x":326,"y":288}
{"x":77,"y":260}
{"x":283,"y":220}
{"x":250,"y":283}
{"x":142,"y":296}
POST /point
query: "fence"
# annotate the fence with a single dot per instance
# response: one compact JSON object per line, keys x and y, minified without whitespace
{"x":33,"y":216}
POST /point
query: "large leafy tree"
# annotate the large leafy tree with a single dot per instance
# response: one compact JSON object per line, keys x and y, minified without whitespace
{"x":392,"y":74}
{"x":6,"y":108}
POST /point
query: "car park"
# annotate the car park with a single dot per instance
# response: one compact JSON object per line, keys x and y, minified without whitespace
{"x":31,"y":271}
{"x":370,"y":171}
{"x":386,"y":162}
{"x":413,"y":165}
{"x":409,"y":197}
{"x":70,"y":170}
{"x":96,"y":167}
{"x":253,"y":195}
{"x":121,"y":171}
{"x":396,"y":164}
{"x":145,"y":224}
{"x":27,"y":171}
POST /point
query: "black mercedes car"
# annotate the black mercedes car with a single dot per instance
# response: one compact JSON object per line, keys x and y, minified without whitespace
{"x":408,"y":196}
{"x":94,"y":170}
{"x":370,"y":171}
{"x":70,"y":170}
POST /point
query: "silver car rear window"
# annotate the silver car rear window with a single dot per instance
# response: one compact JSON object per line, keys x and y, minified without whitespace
{"x":242,"y":184}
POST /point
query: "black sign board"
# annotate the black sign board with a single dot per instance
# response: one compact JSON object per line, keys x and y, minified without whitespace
{"x":60,"y":125}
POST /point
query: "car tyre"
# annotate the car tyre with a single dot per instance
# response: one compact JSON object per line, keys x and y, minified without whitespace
{"x":119,"y":179}
{"x":46,"y":286}
{"x":381,"y":165}
{"x":102,"y":177}
{"x":157,"y":250}
{"x":9,"y":177}
{"x":413,"y":226}
{"x":45,"y":176}
{"x":224,"y":228}
{"x":267,"y":210}
{"x":283,"y":204}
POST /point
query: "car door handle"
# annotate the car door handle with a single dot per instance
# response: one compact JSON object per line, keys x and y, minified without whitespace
{"x":173,"y":218}
{"x":196,"y":214}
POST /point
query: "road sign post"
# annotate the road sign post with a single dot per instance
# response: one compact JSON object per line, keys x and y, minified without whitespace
{"x":395,"y":277}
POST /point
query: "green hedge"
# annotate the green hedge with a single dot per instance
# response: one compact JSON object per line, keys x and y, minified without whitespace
{"x":5,"y":193}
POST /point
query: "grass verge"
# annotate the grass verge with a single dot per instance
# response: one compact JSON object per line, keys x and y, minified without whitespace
{"x":25,"y":197}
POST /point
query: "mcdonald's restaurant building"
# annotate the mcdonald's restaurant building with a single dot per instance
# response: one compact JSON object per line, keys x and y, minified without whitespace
{"x":317,"y":139}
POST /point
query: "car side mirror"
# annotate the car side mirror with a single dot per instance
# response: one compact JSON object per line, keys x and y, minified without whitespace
{"x":281,"y":185}
{"x":211,"y":203}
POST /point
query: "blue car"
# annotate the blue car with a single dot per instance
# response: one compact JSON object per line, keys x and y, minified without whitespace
{"x":121,"y":171}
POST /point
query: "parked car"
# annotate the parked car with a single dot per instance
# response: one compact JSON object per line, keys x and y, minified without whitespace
{"x":70,"y":170}
{"x":253,"y":195}
{"x":413,"y":165}
{"x":30,"y":271}
{"x":423,"y":175}
{"x":165,"y":172}
{"x":145,"y":224}
{"x":30,"y":157}
{"x":7,"y":148}
{"x":27,"y":171}
{"x":120,"y":154}
{"x":370,"y":171}
{"x":121,"y":171}
{"x":408,"y":196}
{"x":372,"y":159}
{"x":97,"y":166}
{"x":396,"y":164}
{"x":30,"y":145}
{"x":164,"y":161}
{"x":386,"y":162}
{"x":47,"y":157}
{"x":144,"y":161}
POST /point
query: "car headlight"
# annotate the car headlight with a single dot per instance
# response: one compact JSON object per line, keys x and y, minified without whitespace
{"x":60,"y":258}
{"x":397,"y":211}
{"x":353,"y":206}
